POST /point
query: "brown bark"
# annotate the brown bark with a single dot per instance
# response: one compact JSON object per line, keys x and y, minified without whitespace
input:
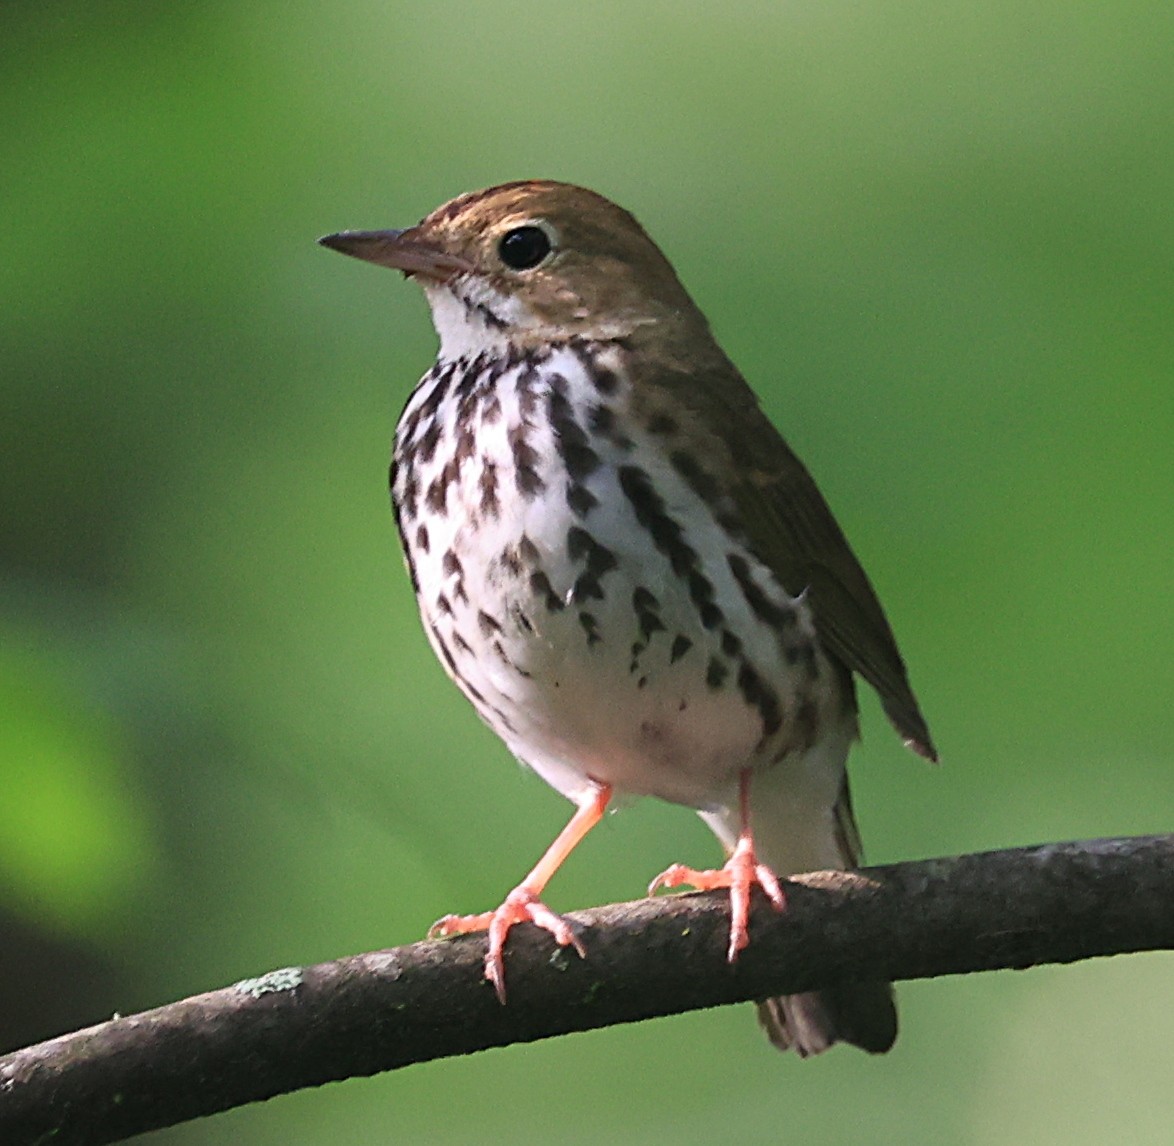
{"x":1057,"y":903}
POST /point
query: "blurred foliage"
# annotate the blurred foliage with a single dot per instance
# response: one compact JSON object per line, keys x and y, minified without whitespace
{"x":938,"y":241}
{"x":74,"y":845}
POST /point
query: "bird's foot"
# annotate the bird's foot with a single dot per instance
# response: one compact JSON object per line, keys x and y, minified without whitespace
{"x":520,"y":906}
{"x":740,"y":873}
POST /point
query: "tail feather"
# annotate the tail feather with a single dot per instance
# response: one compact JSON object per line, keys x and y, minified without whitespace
{"x":863,"y":1014}
{"x":802,"y":820}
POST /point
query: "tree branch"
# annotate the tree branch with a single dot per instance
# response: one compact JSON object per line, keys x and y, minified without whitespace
{"x":302,"y":1027}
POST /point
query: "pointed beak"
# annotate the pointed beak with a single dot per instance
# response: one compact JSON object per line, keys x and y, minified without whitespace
{"x":403,"y":251}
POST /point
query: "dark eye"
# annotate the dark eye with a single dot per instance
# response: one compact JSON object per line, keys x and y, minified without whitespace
{"x":523,"y":247}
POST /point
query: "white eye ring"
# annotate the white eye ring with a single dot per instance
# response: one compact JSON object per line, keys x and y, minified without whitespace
{"x":526,"y":245}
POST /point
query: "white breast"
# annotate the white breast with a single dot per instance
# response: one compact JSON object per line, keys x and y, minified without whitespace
{"x":566,"y":613}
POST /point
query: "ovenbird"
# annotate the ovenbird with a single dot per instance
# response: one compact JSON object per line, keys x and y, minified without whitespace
{"x":624,"y":567}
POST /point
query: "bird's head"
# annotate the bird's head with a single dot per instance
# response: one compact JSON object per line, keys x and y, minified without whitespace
{"x":534,"y":262}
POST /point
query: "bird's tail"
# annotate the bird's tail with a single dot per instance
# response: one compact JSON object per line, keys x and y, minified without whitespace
{"x":800,"y":825}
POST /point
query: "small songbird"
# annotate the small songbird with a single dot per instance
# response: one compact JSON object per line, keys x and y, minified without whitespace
{"x":624,"y":567}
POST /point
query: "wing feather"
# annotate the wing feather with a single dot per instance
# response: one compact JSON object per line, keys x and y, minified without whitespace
{"x":792,"y":530}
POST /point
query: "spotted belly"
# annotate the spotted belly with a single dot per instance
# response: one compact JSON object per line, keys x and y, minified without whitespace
{"x":582,"y":591}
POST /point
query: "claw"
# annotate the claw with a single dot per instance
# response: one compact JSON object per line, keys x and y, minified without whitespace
{"x":520,"y":906}
{"x":740,"y":873}
{"x":448,"y":925}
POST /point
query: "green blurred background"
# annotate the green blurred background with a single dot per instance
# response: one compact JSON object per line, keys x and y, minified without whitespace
{"x":939,"y":241}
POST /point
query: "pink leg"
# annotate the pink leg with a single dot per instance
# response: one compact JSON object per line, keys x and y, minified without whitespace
{"x":523,"y":905}
{"x":740,"y":873}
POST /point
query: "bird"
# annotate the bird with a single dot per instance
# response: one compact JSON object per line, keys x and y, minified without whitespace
{"x":625,"y":568}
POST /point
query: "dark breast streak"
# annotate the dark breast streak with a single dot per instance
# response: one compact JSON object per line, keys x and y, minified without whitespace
{"x":532,"y":512}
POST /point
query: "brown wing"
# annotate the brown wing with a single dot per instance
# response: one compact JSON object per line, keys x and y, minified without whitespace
{"x":796,"y":535}
{"x":793,"y":531}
